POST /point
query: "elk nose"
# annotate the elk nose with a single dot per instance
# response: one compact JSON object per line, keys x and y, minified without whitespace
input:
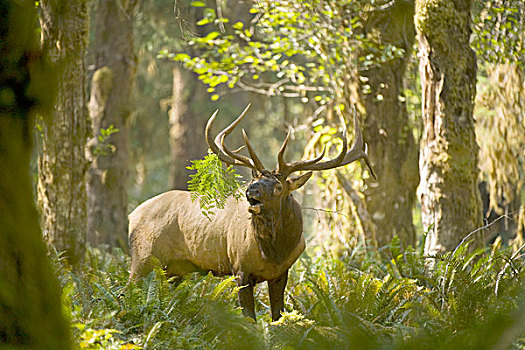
{"x":253,"y":192}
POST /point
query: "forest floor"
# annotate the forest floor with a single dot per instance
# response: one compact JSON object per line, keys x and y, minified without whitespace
{"x":397,"y":299}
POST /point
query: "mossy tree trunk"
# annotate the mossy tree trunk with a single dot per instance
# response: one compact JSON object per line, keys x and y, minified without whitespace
{"x":30,"y":306}
{"x":62,"y":165}
{"x":111,"y":104}
{"x":450,"y":200}
{"x":388,"y":132}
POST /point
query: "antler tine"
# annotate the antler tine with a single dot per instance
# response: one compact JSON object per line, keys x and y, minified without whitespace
{"x":216,"y":145}
{"x":368,"y":164}
{"x":354,"y":153}
{"x":232,"y":126}
{"x":235,"y":154}
{"x":285,"y":168}
{"x":238,"y":149}
{"x":358,"y":150}
{"x":213,"y":146}
{"x":281,"y":163}
{"x":314,"y":164}
{"x":301,"y":164}
{"x":256,"y":161}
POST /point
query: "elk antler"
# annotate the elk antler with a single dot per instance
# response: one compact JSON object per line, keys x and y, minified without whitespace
{"x":218,"y":146}
{"x":357,"y":151}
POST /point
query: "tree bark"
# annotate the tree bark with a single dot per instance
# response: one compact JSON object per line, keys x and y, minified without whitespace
{"x":30,"y":306}
{"x":392,"y":147}
{"x":111,"y":104}
{"x":186,"y":123}
{"x":62,"y":165}
{"x":450,"y":200}
{"x":187,"y":115}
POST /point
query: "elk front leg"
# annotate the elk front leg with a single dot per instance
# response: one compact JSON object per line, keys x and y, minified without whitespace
{"x":276,"y":290}
{"x":246,"y":295}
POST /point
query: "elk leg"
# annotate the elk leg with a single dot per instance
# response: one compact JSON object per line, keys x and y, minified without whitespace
{"x":276,"y":291}
{"x":246,"y":295}
{"x":139,"y":268}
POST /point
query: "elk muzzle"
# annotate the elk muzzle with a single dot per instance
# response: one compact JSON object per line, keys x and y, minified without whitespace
{"x":253,"y":195}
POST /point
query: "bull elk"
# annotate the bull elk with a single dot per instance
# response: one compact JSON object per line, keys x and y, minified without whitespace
{"x":257,"y":239}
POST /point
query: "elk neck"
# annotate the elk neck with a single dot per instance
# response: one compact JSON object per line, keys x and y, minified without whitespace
{"x":278,"y":230}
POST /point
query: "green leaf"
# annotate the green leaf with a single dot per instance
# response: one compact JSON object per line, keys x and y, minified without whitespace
{"x":182,"y":57}
{"x":198,"y":4}
{"x":217,"y":291}
{"x":238,"y":25}
{"x":203,"y":21}
{"x":211,"y":36}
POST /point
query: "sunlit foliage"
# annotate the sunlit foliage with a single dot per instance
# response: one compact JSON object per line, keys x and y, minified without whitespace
{"x":396,"y":300}
{"x":499,"y":31}
{"x":212,"y":183}
{"x":303,"y":49}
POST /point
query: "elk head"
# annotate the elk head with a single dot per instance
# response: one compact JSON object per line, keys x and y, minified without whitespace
{"x":268,"y":188}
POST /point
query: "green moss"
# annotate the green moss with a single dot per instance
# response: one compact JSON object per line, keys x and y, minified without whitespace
{"x":436,"y":20}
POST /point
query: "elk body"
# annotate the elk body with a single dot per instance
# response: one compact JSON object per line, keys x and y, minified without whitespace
{"x":257,"y":239}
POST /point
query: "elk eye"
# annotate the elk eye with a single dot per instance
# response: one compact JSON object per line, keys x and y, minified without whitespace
{"x":277,"y":189}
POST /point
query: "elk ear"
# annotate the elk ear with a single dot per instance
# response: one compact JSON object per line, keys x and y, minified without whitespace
{"x":298,"y":181}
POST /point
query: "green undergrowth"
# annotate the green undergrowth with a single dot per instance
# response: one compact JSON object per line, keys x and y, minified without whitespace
{"x":396,"y":299}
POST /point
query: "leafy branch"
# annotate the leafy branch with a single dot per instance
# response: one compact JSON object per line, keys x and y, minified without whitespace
{"x":212,"y":183}
{"x":289,"y":48}
{"x":103,"y":147}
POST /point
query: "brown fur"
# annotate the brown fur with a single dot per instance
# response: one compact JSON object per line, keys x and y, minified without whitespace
{"x":276,"y":233}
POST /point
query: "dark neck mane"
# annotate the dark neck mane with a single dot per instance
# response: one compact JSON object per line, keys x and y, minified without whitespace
{"x":279,"y":231}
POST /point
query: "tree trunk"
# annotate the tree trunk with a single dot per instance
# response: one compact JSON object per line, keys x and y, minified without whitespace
{"x":450,"y":200}
{"x":187,"y":115}
{"x":62,"y":165}
{"x":186,"y":122}
{"x":388,"y":132}
{"x":111,"y":104}
{"x":30,"y":306}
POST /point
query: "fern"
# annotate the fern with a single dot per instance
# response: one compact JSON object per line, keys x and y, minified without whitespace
{"x":212,"y":184}
{"x":469,"y":299}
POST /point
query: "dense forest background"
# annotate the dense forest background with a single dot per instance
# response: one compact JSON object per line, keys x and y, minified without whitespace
{"x":103,"y":104}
